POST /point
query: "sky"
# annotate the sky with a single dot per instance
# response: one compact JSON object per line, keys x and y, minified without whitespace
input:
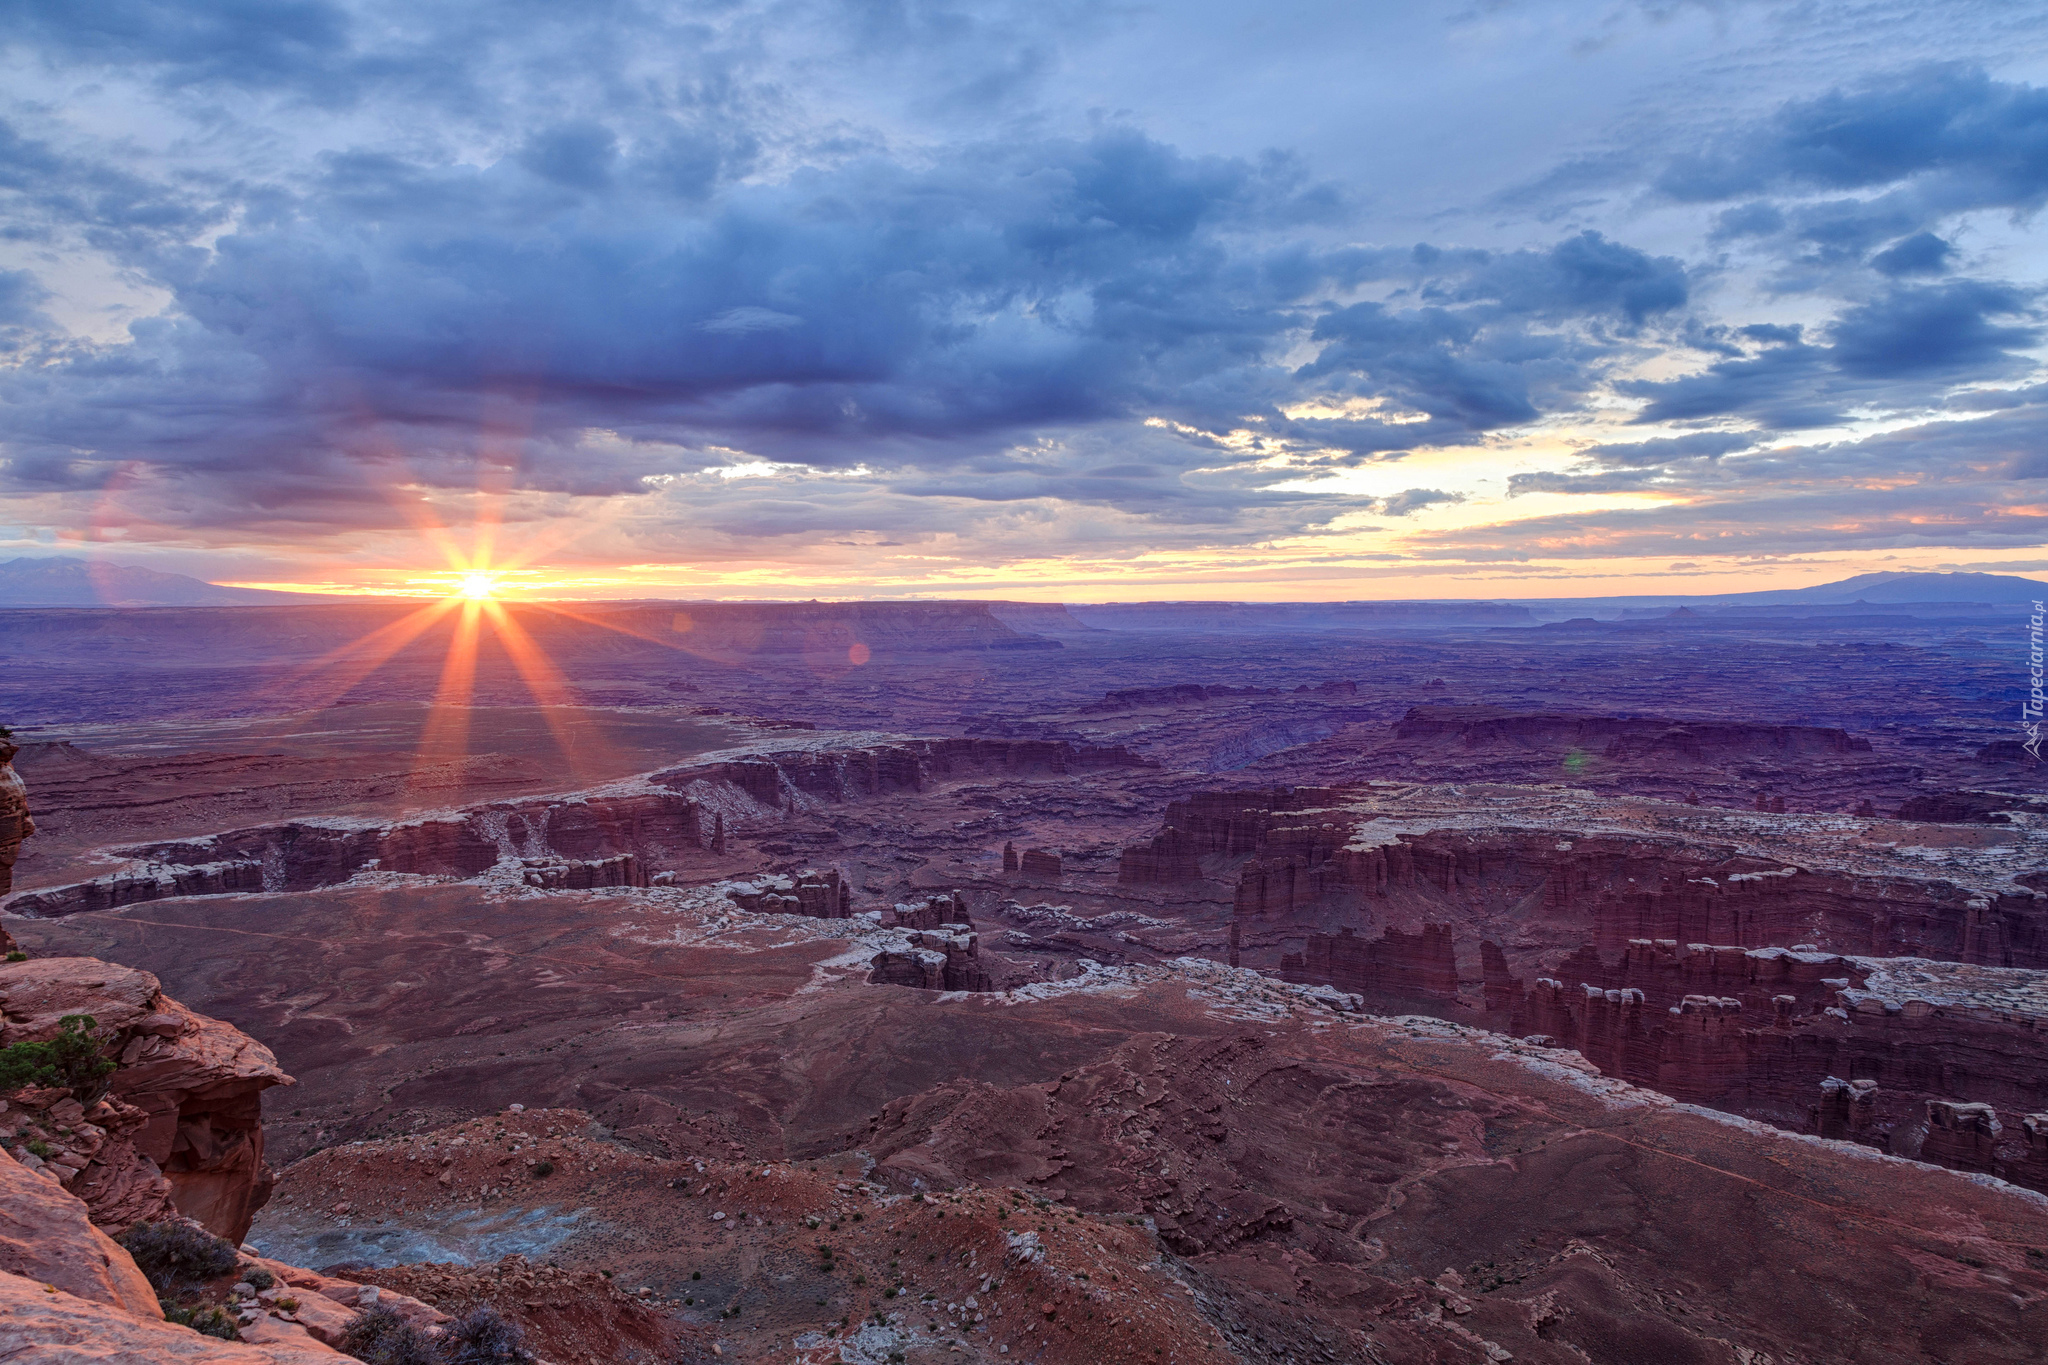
{"x":1048,"y":300}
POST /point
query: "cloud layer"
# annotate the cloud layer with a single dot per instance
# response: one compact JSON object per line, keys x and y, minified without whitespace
{"x":818,"y":285}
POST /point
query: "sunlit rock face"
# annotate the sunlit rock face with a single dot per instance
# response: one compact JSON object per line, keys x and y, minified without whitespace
{"x":181,"y":1126}
{"x":16,"y":824}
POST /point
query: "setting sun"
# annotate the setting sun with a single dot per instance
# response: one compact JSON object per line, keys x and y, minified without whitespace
{"x":478,"y":586}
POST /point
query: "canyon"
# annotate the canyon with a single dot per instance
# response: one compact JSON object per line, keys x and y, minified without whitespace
{"x":1014,"y":980}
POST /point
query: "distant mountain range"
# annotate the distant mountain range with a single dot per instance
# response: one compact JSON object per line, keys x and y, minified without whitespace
{"x":72,"y":581}
{"x":1904,"y":587}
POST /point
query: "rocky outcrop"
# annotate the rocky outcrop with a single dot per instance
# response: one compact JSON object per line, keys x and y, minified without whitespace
{"x":569,"y":842}
{"x":1039,"y":864}
{"x":573,"y":842}
{"x":1422,"y":966}
{"x":47,"y":1235}
{"x":70,"y":1293}
{"x":818,"y":895}
{"x":838,"y":774}
{"x":92,"y":1152}
{"x":184,"y":1100}
{"x":64,"y":1329}
{"x":15,"y":821}
{"x":945,"y":959}
{"x":1497,"y":728}
{"x":1839,"y":1046}
{"x":1215,"y":826}
{"x":586,"y":874}
{"x":941,"y":908}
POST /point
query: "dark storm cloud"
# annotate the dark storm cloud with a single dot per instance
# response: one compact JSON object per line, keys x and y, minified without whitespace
{"x":594,"y":251}
{"x":394,"y":318}
{"x":1477,"y":340}
{"x":1923,"y":253}
{"x":1899,"y":349}
{"x":22,"y":321}
{"x":1975,"y":142}
{"x":1625,"y":467}
{"x":1866,"y":174}
{"x":241,"y":42}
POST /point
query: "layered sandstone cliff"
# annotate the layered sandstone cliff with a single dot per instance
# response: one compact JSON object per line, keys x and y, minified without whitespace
{"x":1848,"y":976}
{"x":178,"y":1139}
{"x":1539,"y":869}
{"x":624,"y":834}
{"x":181,"y":1127}
{"x":15,"y":822}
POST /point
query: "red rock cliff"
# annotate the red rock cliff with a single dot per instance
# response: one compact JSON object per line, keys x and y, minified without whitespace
{"x":15,"y":824}
{"x":182,"y":1124}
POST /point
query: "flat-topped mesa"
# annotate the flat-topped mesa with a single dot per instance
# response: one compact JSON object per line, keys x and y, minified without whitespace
{"x":773,"y":779}
{"x":1039,"y":864}
{"x":1209,"y":830}
{"x":811,"y":893}
{"x":181,"y":1126}
{"x":15,"y":822}
{"x":1270,"y":617}
{"x":1176,"y":694}
{"x":1492,"y":727}
{"x":1841,"y":1046}
{"x":945,"y":958}
{"x":1418,"y":967}
{"x":573,"y":841}
{"x":584,"y":874}
{"x":1535,"y":868}
{"x":1964,"y":807}
{"x":935,"y":911}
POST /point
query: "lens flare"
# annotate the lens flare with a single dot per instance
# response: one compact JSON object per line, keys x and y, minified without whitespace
{"x":478,"y":587}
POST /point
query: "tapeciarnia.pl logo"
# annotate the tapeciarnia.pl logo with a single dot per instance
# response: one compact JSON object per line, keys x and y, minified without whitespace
{"x":2030,"y":713}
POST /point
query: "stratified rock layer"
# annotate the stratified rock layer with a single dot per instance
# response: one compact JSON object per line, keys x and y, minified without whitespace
{"x":185,"y":1098}
{"x":15,"y":822}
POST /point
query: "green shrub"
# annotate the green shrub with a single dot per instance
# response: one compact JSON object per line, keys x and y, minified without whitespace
{"x":17,"y":956}
{"x":258,"y":1277}
{"x":208,"y":1322}
{"x":176,"y":1255}
{"x":74,"y":1059}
